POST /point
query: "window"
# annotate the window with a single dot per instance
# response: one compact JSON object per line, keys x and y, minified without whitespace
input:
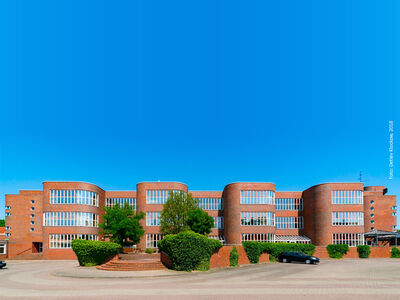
{"x":8,"y":227}
{"x":8,"y":234}
{"x":32,"y":201}
{"x":158,"y":196}
{"x":210,"y":203}
{"x":372,"y":221}
{"x":257,"y":197}
{"x":153,"y":218}
{"x":32,"y":208}
{"x":31,"y":229}
{"x":372,"y":215}
{"x":257,"y":218}
{"x":289,"y":203}
{"x":63,"y":241}
{"x":394,"y":214}
{"x":70,"y":219}
{"x":372,"y":228}
{"x":259,"y":237}
{"x":372,"y":208}
{"x":8,"y":207}
{"x":351,"y":239}
{"x":3,"y":248}
{"x":110,"y":202}
{"x":8,"y":214}
{"x":220,"y":238}
{"x":218,"y":222}
{"x":32,"y":215}
{"x":372,"y":202}
{"x":32,"y":222}
{"x":347,"y":218}
{"x":394,"y":227}
{"x":347,"y":197}
{"x":74,"y":197}
{"x":394,"y":207}
{"x":152,"y":240}
{"x":289,"y":222}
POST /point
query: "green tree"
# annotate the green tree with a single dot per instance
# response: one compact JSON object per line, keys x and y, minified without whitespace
{"x":121,"y":225}
{"x":200,"y":221}
{"x":2,"y":223}
{"x":173,"y":218}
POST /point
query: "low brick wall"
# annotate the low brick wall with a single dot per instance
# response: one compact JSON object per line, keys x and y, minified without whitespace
{"x":376,"y":252}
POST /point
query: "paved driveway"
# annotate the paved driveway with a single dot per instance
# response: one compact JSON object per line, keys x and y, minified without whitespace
{"x":332,"y":279}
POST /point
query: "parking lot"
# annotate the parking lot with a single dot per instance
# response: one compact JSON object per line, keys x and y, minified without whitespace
{"x":332,"y":279}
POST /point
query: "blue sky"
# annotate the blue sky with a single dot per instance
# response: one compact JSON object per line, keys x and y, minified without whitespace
{"x":203,"y":92}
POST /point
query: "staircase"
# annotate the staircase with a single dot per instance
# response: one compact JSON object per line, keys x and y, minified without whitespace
{"x":134,"y":262}
{"x":28,"y":256}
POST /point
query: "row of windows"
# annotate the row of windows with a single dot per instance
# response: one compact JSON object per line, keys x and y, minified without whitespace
{"x":220,"y":238}
{"x":63,"y":241}
{"x":257,"y":197}
{"x":153,"y":218}
{"x":351,"y":239}
{"x":74,"y":197}
{"x":257,"y":218}
{"x":259,"y":237}
{"x":8,"y":207}
{"x":71,"y":218}
{"x":152,"y":239}
{"x":218,"y":222}
{"x":347,"y":197}
{"x":347,"y":218}
{"x":110,"y":202}
{"x":289,"y":222}
{"x":289,"y":203}
{"x":211,"y":203}
{"x":158,"y":196}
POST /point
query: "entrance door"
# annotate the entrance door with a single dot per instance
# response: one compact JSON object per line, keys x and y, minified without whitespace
{"x":37,"y":247}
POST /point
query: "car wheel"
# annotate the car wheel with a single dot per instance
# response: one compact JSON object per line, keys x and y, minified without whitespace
{"x":284,"y":260}
{"x":308,"y":261}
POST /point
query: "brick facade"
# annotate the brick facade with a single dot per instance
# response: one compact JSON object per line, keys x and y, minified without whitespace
{"x":27,"y":235}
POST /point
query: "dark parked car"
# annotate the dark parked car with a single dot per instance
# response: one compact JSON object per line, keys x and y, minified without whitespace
{"x":2,"y":264}
{"x":290,"y":256}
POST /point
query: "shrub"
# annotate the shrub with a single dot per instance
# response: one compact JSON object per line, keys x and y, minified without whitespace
{"x":254,"y":249}
{"x":92,"y":253}
{"x":363,"y":251}
{"x":188,"y":250}
{"x":395,"y":253}
{"x":234,"y":257}
{"x":337,"y":251}
{"x":200,"y":221}
{"x":149,"y":250}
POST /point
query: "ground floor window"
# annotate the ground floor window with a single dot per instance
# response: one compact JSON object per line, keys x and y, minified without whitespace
{"x":63,"y":241}
{"x":152,"y":240}
{"x":220,"y":238}
{"x":259,"y":237}
{"x":351,"y":239}
{"x":3,"y":248}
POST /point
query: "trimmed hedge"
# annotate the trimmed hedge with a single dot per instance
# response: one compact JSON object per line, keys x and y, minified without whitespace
{"x":93,"y":253}
{"x":234,"y":257}
{"x":337,"y":251}
{"x":395,"y":253}
{"x":188,"y":250}
{"x":363,"y":251}
{"x":254,"y":249}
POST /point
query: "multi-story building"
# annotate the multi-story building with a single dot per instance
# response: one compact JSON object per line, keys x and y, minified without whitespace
{"x":47,"y":221}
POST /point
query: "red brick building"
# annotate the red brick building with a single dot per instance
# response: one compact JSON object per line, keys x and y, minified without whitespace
{"x":43,"y":223}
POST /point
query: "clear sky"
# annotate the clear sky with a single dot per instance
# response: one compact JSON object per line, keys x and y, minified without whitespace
{"x":202,"y":92}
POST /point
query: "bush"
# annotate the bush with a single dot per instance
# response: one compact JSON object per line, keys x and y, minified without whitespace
{"x":363,"y":251}
{"x":395,"y":253}
{"x":149,"y":250}
{"x":234,"y":257}
{"x":254,"y":249}
{"x":93,"y":253}
{"x":337,"y":251}
{"x":188,"y":250}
